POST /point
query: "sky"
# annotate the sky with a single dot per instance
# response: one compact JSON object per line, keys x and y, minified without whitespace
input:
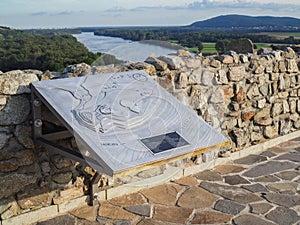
{"x":78,"y":13}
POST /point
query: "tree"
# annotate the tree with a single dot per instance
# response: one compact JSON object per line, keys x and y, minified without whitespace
{"x":221,"y":45}
{"x":199,"y":46}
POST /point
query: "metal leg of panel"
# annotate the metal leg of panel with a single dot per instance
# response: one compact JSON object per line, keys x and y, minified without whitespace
{"x":94,"y":189}
{"x":37,"y":116}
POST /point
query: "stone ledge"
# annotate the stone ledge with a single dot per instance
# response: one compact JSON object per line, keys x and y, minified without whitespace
{"x":33,"y":217}
{"x":73,"y":204}
{"x":172,"y":173}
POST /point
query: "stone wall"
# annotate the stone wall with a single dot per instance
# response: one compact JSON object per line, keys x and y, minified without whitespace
{"x":249,"y":98}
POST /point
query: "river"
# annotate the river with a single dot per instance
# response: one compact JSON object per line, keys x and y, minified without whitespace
{"x":123,"y":49}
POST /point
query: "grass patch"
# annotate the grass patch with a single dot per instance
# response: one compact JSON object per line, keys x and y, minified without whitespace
{"x":262,"y":45}
{"x":173,"y":41}
{"x":209,"y":47}
{"x":282,"y":35}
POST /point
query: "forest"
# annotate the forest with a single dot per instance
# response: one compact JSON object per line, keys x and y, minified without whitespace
{"x":189,"y":37}
{"x":25,"y":50}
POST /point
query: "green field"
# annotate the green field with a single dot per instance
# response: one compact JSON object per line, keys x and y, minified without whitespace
{"x":282,"y":35}
{"x":209,"y":47}
{"x":262,"y":45}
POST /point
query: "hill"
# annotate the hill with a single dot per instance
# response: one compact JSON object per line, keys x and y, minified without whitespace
{"x":249,"y":22}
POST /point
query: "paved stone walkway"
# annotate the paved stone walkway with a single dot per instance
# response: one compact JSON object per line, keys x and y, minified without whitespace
{"x":259,"y":189}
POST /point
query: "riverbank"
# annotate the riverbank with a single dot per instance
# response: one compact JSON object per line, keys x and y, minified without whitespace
{"x":163,"y":44}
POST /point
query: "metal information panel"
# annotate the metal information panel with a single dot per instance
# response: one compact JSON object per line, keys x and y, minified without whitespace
{"x":125,"y":120}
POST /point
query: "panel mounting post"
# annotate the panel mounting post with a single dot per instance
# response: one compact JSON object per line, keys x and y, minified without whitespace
{"x":94,"y":189}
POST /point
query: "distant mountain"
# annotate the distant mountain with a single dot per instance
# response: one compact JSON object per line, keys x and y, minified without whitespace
{"x":249,"y":22}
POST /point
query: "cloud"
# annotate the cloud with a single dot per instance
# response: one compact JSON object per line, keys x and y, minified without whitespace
{"x":241,"y":4}
{"x":62,"y":13}
{"x":39,"y":14}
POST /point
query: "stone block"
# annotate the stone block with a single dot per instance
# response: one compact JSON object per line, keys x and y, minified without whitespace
{"x":222,"y":77}
{"x":183,"y":80}
{"x":8,"y":183}
{"x":16,"y":82}
{"x":208,"y":78}
{"x":68,"y":194}
{"x":158,"y":64}
{"x":195,"y":77}
{"x":12,"y":209}
{"x":73,"y":204}
{"x":33,"y":216}
{"x":35,"y":199}
{"x":3,"y":140}
{"x":292,"y":66}
{"x":173,"y":62}
{"x":277,"y":109}
{"x":62,"y":178}
{"x":3,"y":100}
{"x":24,"y":136}
{"x":16,"y":111}
{"x":236,"y":73}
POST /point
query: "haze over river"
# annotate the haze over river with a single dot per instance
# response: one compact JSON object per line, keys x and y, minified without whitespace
{"x":123,"y":49}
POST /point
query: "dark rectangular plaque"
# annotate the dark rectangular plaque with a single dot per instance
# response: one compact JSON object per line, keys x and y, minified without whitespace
{"x":164,"y":142}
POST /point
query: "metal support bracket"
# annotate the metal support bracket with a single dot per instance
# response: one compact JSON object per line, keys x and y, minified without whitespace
{"x":94,"y":189}
{"x":47,"y":141}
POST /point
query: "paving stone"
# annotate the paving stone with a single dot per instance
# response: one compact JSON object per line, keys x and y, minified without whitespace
{"x":247,"y":219}
{"x":113,"y":212}
{"x":255,"y":188}
{"x":229,"y":207}
{"x":129,"y":200}
{"x":226,"y":169}
{"x":290,"y":144}
{"x":211,"y":217}
{"x":294,"y":157}
{"x":196,"y":197}
{"x":269,"y":168}
{"x":283,"y":216}
{"x":122,"y":222}
{"x":209,"y":175}
{"x":266,"y":179}
{"x":172,"y":214}
{"x":154,"y":222}
{"x":284,"y":188}
{"x":288,"y":175}
{"x":86,"y":222}
{"x":231,"y":192}
{"x":250,"y":159}
{"x":235,"y":179}
{"x":277,"y":149}
{"x":103,"y":221}
{"x":187,"y":181}
{"x":141,"y":210}
{"x":260,"y":208}
{"x":163,"y":194}
{"x":283,"y":199}
{"x":268,"y":154}
{"x":61,"y":220}
{"x":87,"y":213}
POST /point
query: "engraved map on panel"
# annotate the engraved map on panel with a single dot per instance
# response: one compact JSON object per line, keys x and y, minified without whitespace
{"x":122,"y":103}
